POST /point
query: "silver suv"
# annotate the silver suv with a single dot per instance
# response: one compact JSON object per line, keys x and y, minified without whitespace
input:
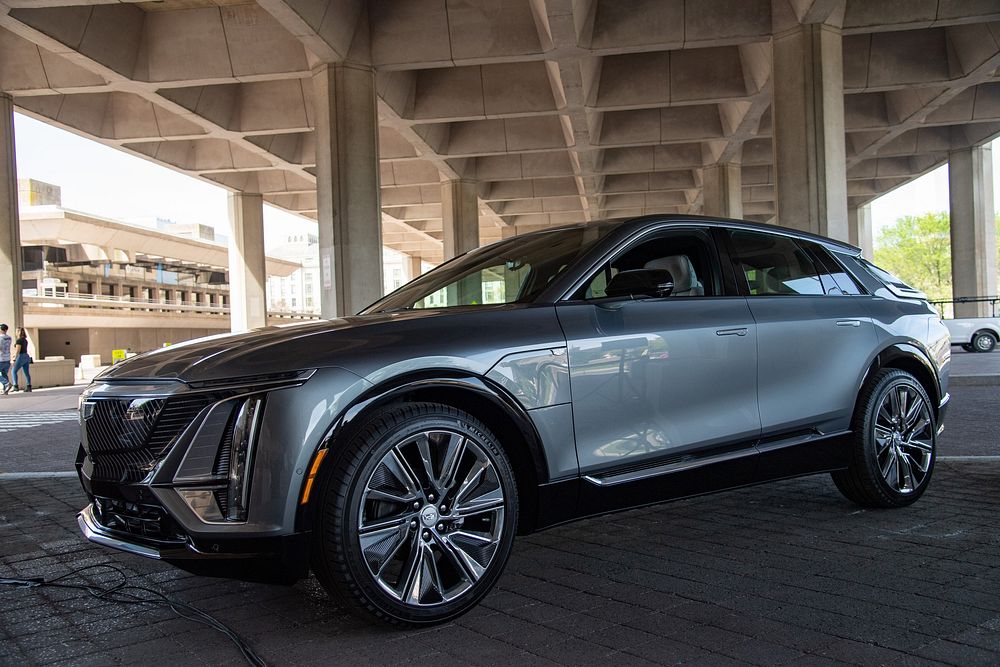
{"x":538,"y":380}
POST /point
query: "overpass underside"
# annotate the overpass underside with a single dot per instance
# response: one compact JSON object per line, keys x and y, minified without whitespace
{"x":434,"y":126}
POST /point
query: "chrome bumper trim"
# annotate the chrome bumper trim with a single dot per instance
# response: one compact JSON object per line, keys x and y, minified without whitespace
{"x":97,"y":534}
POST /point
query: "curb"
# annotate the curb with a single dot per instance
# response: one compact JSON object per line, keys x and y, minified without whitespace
{"x":974,"y":381}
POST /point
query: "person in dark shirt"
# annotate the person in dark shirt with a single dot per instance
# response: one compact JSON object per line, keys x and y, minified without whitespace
{"x":21,"y":359}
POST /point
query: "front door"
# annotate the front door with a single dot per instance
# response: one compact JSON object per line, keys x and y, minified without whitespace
{"x":659,"y":384}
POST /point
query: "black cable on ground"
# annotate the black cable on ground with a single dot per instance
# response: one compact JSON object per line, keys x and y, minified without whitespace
{"x":124,"y":593}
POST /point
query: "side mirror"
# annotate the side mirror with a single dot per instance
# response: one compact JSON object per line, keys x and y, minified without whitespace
{"x":639,"y":283}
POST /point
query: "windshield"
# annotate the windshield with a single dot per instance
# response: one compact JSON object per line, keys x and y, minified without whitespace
{"x":515,"y":270}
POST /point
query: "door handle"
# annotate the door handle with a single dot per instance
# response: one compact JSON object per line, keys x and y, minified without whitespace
{"x":740,"y":331}
{"x":848,"y":323}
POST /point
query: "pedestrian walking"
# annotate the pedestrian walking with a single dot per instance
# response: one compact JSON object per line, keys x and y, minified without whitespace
{"x":21,"y":359}
{"x":5,"y":343}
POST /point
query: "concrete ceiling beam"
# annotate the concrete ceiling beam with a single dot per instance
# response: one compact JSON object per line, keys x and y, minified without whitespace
{"x":113,"y":116}
{"x":328,"y":28}
{"x":209,"y":44}
{"x":201,"y":155}
{"x":867,"y":16}
{"x":979,"y":65}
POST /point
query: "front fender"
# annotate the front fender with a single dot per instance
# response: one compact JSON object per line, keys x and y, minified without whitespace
{"x":448,"y":386}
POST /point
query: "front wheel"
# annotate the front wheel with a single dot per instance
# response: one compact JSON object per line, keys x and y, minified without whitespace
{"x":894,"y":442}
{"x":417,"y":515}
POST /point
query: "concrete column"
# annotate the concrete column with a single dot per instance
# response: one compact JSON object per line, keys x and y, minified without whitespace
{"x":973,"y":228}
{"x":347,"y":180}
{"x":11,"y":303}
{"x":415,"y":267}
{"x":722,"y":190}
{"x":247,"y":274}
{"x":808,"y":112}
{"x":34,"y":343}
{"x":859,"y":230}
{"x":460,"y":217}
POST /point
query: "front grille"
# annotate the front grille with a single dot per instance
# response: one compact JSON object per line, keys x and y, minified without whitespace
{"x":126,"y":438}
{"x":144,"y":519}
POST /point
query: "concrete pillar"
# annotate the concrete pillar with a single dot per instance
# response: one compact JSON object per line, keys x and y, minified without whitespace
{"x":415,"y":267}
{"x":973,"y":228}
{"x":34,"y":343}
{"x":808,"y":113}
{"x":247,"y":274}
{"x":859,"y":230}
{"x":722,"y":190}
{"x":460,"y":217}
{"x":11,"y":303}
{"x":347,"y":180}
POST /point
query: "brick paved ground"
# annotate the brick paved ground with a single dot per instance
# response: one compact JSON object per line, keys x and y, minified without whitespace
{"x":788,"y":573}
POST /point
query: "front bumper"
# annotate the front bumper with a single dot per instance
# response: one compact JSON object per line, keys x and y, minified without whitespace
{"x":282,"y":559}
{"x":942,"y":412}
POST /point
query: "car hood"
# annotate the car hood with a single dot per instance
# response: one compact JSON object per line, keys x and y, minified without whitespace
{"x":271,"y":350}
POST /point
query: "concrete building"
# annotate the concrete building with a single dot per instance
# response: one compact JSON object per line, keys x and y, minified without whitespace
{"x":300,"y":290}
{"x":436,"y":125}
{"x":92,"y":285}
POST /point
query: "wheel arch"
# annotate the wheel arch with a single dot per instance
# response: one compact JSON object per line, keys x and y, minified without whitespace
{"x":480,"y":397}
{"x":912,"y":359}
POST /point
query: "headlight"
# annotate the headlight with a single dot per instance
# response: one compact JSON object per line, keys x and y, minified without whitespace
{"x":241,"y":459}
{"x":214,"y":477}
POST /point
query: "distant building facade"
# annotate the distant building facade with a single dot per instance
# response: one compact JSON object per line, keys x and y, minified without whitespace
{"x":91,"y":285}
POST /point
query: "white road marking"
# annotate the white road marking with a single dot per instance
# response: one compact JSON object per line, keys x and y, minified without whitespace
{"x":12,"y":421}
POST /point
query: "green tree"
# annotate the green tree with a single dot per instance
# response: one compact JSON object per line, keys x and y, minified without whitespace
{"x":918,"y":250}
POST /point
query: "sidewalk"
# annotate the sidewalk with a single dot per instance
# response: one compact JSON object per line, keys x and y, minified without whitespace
{"x":43,"y":400}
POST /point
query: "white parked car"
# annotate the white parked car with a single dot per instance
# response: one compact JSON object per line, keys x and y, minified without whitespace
{"x":974,"y":334}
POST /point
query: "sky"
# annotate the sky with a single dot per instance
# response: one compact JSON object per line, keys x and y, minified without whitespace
{"x":107,"y":182}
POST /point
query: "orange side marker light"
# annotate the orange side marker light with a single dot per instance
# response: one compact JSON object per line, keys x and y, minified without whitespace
{"x":320,"y":455}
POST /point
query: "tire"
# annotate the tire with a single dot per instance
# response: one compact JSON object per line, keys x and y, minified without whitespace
{"x":891,"y":468}
{"x":983,"y":341}
{"x":426,"y":562}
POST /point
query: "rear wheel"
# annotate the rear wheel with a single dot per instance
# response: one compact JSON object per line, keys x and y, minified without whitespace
{"x":416,"y":517}
{"x":894,"y":442}
{"x":983,"y":341}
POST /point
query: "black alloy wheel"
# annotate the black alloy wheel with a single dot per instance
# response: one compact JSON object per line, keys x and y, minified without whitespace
{"x":417,"y":515}
{"x":894,"y":448}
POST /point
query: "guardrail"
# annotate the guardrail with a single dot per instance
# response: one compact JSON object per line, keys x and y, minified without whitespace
{"x":101,"y":302}
{"x":994,"y":302}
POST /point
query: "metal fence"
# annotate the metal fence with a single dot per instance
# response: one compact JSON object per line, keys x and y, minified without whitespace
{"x":947,"y":307}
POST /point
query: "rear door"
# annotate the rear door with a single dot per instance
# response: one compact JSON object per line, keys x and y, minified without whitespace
{"x":815,"y":338}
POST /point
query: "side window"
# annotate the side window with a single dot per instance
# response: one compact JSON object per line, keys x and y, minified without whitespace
{"x":774,"y":264}
{"x":688,"y":255}
{"x":835,"y":279}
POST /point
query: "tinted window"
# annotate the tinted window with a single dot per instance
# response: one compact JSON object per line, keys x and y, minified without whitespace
{"x":883,"y":275}
{"x":515,"y":270}
{"x":836,"y":281}
{"x":688,"y":255}
{"x":774,"y":265}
